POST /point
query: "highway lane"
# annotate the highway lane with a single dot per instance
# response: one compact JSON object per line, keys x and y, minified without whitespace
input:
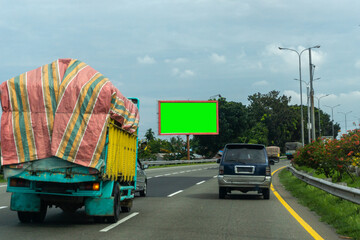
{"x":194,"y":213}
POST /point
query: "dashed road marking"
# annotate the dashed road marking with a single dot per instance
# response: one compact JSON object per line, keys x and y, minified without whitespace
{"x":119,"y":222}
{"x":200,"y":182}
{"x":175,"y":193}
{"x":3,"y":207}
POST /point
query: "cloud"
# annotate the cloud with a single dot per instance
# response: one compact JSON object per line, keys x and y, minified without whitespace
{"x":216,"y":58}
{"x":260,"y":83}
{"x":183,"y":74}
{"x":146,"y":60}
{"x":357,"y":64}
{"x":177,"y":60}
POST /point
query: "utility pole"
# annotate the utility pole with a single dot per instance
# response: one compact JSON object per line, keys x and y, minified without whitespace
{"x":312,"y":98}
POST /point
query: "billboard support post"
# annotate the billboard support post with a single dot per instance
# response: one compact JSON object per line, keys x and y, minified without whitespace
{"x":188,"y":146}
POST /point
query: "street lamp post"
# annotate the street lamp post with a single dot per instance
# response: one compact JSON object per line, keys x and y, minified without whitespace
{"x":332,"y":117}
{"x":318,"y":98}
{"x":301,"y":105}
{"x":345,"y":119}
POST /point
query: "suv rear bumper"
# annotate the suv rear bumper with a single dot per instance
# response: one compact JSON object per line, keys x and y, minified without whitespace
{"x":241,"y":181}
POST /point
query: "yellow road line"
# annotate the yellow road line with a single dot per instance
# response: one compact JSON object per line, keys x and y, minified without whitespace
{"x":306,"y":226}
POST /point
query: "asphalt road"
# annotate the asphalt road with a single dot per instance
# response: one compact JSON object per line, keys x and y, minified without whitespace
{"x":182,"y":203}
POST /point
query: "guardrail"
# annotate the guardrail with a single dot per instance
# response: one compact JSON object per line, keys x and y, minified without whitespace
{"x":174,"y":162}
{"x":344,"y":192}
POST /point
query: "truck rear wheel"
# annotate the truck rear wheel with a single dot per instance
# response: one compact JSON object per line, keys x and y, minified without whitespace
{"x":117,"y":207}
{"x":39,"y":217}
{"x":36,"y":217}
{"x":24,"y":217}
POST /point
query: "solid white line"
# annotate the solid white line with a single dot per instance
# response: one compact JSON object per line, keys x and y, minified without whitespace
{"x":175,"y":193}
{"x":200,"y":182}
{"x":119,"y":222}
{"x":3,"y":207}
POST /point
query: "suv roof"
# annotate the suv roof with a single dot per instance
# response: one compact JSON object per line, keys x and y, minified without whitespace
{"x":259,"y":146}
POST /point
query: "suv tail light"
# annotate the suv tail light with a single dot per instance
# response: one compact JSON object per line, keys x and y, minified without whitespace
{"x":221,"y":170}
{"x":268,"y":171}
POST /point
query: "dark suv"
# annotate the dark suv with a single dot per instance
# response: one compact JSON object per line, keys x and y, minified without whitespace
{"x":244,"y":167}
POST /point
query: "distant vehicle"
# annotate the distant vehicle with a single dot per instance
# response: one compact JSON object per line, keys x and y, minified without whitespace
{"x":273,"y":153}
{"x":290,"y":149}
{"x":141,"y":179}
{"x":244,"y":167}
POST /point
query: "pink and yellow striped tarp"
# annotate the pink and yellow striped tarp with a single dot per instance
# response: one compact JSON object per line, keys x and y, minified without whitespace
{"x":61,"y":109}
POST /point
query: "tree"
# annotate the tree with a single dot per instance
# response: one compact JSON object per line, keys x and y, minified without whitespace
{"x":233,"y":122}
{"x":149,"y":135}
{"x":273,"y":110}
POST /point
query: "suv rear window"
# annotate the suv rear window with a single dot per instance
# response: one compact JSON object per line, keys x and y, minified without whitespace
{"x":241,"y":154}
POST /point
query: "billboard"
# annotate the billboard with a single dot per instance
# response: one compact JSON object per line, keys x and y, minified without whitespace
{"x":188,"y":118}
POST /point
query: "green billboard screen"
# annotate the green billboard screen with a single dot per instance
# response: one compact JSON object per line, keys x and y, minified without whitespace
{"x":188,"y":118}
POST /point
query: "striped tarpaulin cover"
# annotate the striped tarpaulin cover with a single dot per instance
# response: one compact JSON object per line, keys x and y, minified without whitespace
{"x":61,"y":109}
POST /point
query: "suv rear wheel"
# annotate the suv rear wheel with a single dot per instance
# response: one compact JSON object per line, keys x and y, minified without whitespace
{"x":266,"y":193}
{"x":222,"y":192}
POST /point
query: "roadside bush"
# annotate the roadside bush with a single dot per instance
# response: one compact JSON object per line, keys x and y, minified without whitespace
{"x":331,"y":157}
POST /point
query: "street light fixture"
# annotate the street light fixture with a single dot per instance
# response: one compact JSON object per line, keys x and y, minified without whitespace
{"x":318,"y":98}
{"x":332,"y":117}
{"x":301,"y":105}
{"x":345,"y":119}
{"x":213,"y":97}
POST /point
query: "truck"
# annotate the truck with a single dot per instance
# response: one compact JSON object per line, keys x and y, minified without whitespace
{"x":273,"y":153}
{"x":69,"y":140}
{"x":291,"y":148}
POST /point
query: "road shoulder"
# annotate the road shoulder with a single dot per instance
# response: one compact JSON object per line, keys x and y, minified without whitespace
{"x":323,"y":229}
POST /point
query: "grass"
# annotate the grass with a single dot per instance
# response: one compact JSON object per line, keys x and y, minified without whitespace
{"x":341,"y":214}
{"x":2,"y":179}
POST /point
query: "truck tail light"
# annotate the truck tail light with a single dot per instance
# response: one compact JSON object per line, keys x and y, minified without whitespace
{"x":268,"y":171}
{"x":90,"y":186}
{"x":221,"y":170}
{"x":96,"y":186}
{"x":19,"y":182}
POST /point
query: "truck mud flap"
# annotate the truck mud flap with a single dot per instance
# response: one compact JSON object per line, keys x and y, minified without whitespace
{"x":99,"y":206}
{"x":25,"y":202}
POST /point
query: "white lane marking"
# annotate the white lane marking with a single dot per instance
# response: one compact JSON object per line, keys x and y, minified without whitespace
{"x":182,"y":171}
{"x":168,"y":174}
{"x":175,"y":173}
{"x":119,"y":222}
{"x":215,"y":177}
{"x":175,"y":193}
{"x":149,"y":177}
{"x":3,"y":207}
{"x":159,"y":175}
{"x":200,"y":182}
{"x":3,"y":185}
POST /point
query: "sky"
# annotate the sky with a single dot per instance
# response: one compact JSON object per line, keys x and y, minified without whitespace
{"x":192,"y":50}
